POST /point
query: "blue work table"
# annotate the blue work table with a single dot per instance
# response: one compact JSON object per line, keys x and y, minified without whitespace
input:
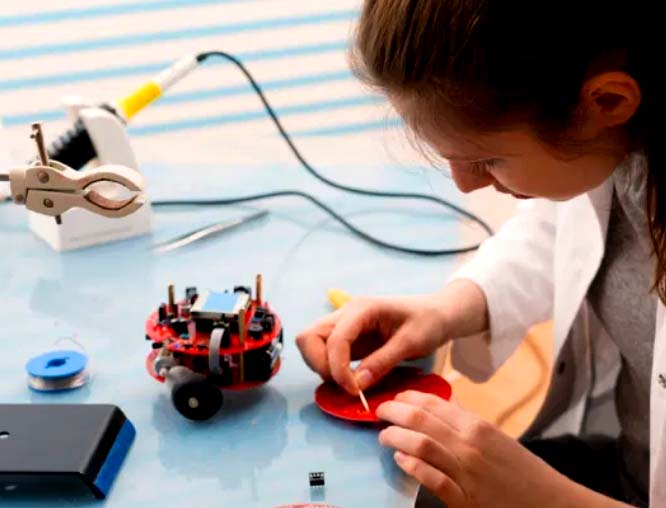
{"x":257,"y":452}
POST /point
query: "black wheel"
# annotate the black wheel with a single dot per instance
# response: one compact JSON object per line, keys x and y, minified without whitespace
{"x":192,"y":394}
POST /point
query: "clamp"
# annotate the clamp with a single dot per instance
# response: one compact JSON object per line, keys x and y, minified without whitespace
{"x":51,"y":188}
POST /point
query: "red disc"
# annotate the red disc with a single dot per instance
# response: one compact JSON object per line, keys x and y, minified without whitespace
{"x":335,"y":401}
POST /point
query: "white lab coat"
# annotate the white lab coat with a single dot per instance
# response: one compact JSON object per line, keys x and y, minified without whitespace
{"x":537,"y":267}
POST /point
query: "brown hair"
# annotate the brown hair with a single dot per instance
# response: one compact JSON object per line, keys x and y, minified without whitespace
{"x":493,"y":64}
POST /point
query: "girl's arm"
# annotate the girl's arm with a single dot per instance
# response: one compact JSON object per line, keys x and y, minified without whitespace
{"x":514,"y":271}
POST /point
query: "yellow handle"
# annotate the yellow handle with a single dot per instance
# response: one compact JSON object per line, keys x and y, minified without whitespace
{"x":337,"y":297}
{"x":139,"y":99}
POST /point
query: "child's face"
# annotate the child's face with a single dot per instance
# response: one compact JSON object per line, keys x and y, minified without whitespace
{"x":516,"y":163}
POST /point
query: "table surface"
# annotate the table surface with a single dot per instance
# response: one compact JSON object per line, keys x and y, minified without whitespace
{"x":258,"y":451}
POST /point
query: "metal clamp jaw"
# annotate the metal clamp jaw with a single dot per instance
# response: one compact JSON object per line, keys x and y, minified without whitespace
{"x":54,"y":189}
{"x":49,"y":187}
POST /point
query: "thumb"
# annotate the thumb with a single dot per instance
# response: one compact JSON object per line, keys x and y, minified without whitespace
{"x":380,"y":362}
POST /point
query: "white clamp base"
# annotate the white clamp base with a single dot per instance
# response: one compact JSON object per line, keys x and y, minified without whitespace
{"x":81,"y":228}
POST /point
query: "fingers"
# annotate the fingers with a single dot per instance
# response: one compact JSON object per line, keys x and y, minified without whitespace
{"x":421,"y":446}
{"x":349,"y":327}
{"x":451,"y":414}
{"x":431,"y":478}
{"x":416,"y":418}
{"x":312,"y":344}
{"x":313,"y":350}
{"x":363,"y":327}
{"x":426,"y":444}
{"x":380,"y":362}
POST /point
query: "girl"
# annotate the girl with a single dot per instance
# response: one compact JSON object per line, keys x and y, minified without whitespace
{"x":561,"y":102}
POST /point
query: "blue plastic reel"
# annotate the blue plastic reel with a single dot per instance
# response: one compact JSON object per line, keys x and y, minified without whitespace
{"x":57,"y":364}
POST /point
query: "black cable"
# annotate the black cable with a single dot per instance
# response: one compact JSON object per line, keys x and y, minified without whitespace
{"x":306,"y":165}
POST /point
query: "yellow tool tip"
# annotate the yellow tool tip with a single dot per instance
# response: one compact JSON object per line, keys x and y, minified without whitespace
{"x":337,"y":297}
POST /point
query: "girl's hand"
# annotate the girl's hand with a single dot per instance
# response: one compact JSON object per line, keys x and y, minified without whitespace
{"x":381,"y":331}
{"x":385,"y":331}
{"x":469,"y":463}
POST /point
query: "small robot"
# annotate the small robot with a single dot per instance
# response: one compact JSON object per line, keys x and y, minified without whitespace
{"x":211,"y":341}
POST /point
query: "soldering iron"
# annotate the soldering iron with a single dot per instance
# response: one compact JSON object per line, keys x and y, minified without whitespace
{"x":76,"y":148}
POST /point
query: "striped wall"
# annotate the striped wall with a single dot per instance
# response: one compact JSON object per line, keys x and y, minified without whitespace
{"x":101,"y":49}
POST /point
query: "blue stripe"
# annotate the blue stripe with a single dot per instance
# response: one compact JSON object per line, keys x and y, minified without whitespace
{"x":38,"y":18}
{"x":88,"y":75}
{"x":350,"y":128}
{"x":45,"y":80}
{"x":109,"y":470}
{"x":45,"y":115}
{"x":172,"y":35}
{"x":276,"y":84}
{"x":245,"y":116}
{"x":50,"y":115}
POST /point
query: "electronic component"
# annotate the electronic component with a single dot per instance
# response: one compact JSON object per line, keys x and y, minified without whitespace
{"x":317,"y":479}
{"x":255,"y":330}
{"x":219,"y":305}
{"x":191,"y":294}
{"x":214,"y":340}
{"x":162,"y":313}
{"x":61,"y":448}
{"x":180,"y":326}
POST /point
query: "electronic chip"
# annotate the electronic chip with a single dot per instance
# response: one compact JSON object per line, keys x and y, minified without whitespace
{"x":317,"y":479}
{"x":218,"y":305}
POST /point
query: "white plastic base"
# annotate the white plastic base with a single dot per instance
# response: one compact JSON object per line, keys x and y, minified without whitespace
{"x":81,"y":228}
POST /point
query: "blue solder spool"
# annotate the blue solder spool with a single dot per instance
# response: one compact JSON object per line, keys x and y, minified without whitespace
{"x":58,"y":370}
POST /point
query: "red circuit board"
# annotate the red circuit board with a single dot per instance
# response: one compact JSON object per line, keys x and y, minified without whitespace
{"x":198,"y":345}
{"x":193,"y":347}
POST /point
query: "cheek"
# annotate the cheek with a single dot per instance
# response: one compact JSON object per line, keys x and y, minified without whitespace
{"x":517,"y":178}
{"x":536,"y":177}
{"x":553,"y":179}
{"x":468,"y":182}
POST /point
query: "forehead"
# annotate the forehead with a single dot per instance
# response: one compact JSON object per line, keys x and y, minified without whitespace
{"x":455,"y":142}
{"x":470,"y":146}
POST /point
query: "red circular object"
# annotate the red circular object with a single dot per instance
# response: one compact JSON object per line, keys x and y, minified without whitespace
{"x":335,"y":401}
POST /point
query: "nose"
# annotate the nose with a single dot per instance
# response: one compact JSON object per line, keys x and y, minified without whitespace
{"x":500,"y":188}
{"x":468,"y":182}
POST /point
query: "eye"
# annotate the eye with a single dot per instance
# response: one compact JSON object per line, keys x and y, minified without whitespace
{"x":486,"y":165}
{"x":482,"y":166}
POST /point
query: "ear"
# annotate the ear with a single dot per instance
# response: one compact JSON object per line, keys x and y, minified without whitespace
{"x":609,"y":100}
